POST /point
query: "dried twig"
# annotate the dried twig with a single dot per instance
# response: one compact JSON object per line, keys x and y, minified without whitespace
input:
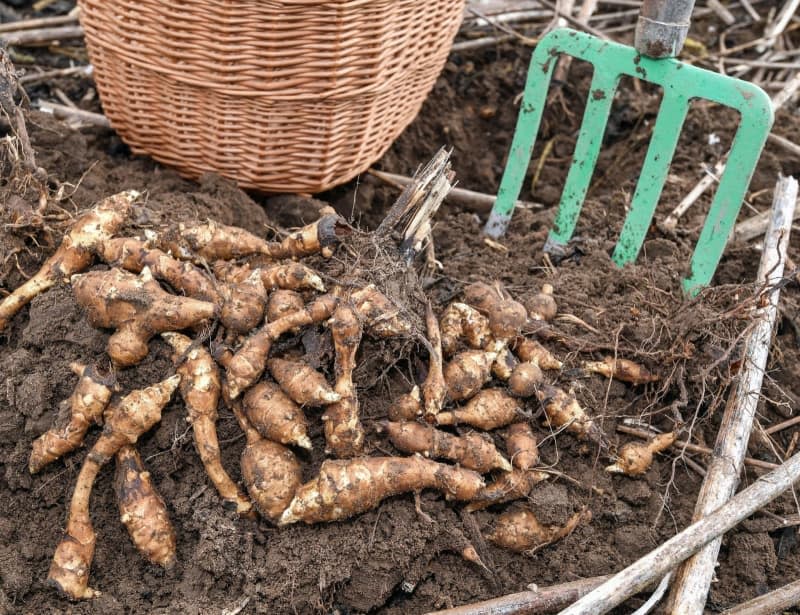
{"x":64,"y":112}
{"x":84,"y":70}
{"x":783,"y":425}
{"x":774,"y":602}
{"x":693,"y":579}
{"x":41,"y":22}
{"x":42,"y":36}
{"x":661,"y":560}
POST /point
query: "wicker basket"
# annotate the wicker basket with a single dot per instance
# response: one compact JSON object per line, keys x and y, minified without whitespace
{"x":282,"y":96}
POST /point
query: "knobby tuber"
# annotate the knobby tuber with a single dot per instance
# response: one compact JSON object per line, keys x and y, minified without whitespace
{"x":292,"y":276}
{"x":504,"y":364}
{"x":520,"y":530}
{"x":344,"y":433}
{"x":200,"y":388}
{"x":142,"y":510}
{"x":126,"y":420}
{"x":302,"y":383}
{"x":506,"y":316}
{"x":542,"y":306}
{"x":471,"y":450}
{"x":137,"y":307}
{"x":345,"y":488}
{"x":75,"y":253}
{"x":507,"y":487}
{"x":275,"y":416}
{"x":521,"y":446}
{"x":382,"y":317}
{"x":525,"y":379}
{"x":635,"y":458}
{"x":467,"y":372}
{"x":86,"y":405}
{"x":243,"y":299}
{"x":563,"y":411}
{"x":270,"y":471}
{"x":461,"y":321}
{"x":621,"y":369}
{"x":489,"y":409}
{"x":407,"y":407}
{"x":283,"y":302}
{"x":533,"y":352}
{"x":247,"y":365}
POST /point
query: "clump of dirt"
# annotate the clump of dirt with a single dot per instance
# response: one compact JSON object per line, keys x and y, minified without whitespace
{"x":391,"y":559}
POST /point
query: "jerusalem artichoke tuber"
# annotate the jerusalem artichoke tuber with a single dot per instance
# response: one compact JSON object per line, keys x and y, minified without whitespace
{"x":635,"y":458}
{"x":283,"y":302}
{"x":467,"y":372}
{"x":461,"y":321}
{"x":137,"y":307}
{"x":302,"y":383}
{"x":489,"y":409}
{"x":621,"y":369}
{"x":563,"y":411}
{"x":200,"y":388}
{"x":407,"y":407}
{"x":142,"y":510}
{"x":542,"y":306}
{"x":381,"y":317}
{"x":506,"y":316}
{"x":504,"y":364}
{"x":345,"y":488}
{"x":470,"y":451}
{"x":520,"y":530}
{"x":525,"y":379}
{"x":521,"y":446}
{"x":533,"y":352}
{"x":434,"y":389}
{"x":276,"y":416}
{"x":75,"y":253}
{"x":126,"y":420}
{"x":507,"y":487}
{"x":86,"y":404}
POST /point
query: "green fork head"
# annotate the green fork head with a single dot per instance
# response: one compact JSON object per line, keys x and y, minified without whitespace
{"x":680,"y":83}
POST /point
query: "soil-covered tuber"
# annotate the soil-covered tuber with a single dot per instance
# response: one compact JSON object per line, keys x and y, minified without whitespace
{"x":461,"y":321}
{"x":525,"y":379}
{"x":434,"y":389}
{"x":142,"y":510}
{"x":635,"y":458}
{"x":504,"y":364}
{"x":467,"y":372}
{"x":283,"y":302}
{"x":520,"y":530}
{"x":407,"y":407}
{"x":292,"y":276}
{"x":506,"y":316}
{"x":137,"y":307}
{"x":345,"y":488}
{"x":488,"y":410}
{"x":275,"y":415}
{"x":532,"y":351}
{"x":621,"y":369}
{"x":542,"y":306}
{"x":302,"y":383}
{"x":563,"y":411}
{"x":382,"y":318}
{"x":521,"y":446}
{"x":200,"y":388}
{"x":86,"y":404}
{"x":126,"y":420}
{"x":507,"y":487}
{"x":471,"y":450}
{"x":75,"y":253}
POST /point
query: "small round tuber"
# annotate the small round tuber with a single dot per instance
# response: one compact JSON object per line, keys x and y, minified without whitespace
{"x":283,"y":302}
{"x":533,"y":352}
{"x":563,"y":411}
{"x":467,"y":372}
{"x":525,"y":379}
{"x":542,"y":306}
{"x":407,"y":407}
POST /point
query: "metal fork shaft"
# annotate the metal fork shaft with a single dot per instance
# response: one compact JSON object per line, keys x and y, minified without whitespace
{"x":662,"y":27}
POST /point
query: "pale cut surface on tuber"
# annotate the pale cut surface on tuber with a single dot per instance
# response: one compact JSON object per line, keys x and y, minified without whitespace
{"x":86,"y":405}
{"x":126,"y":420}
{"x":349,"y":487}
{"x":520,"y":530}
{"x":635,"y":458}
{"x":137,"y":307}
{"x":200,"y":388}
{"x":275,"y":416}
{"x":488,"y":410}
{"x":142,"y":510}
{"x":75,"y":253}
{"x":471,"y":450}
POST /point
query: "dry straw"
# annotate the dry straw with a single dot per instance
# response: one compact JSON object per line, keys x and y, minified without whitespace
{"x":293,"y":96}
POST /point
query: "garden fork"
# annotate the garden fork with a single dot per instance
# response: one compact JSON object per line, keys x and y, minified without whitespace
{"x":660,"y":34}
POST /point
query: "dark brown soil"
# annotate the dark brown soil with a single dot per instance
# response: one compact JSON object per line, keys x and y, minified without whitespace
{"x":390,"y":560}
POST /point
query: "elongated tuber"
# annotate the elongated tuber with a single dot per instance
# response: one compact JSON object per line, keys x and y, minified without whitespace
{"x":283,"y":302}
{"x":142,"y":510}
{"x":434,"y":389}
{"x":467,"y":372}
{"x":86,"y":404}
{"x":563,"y":411}
{"x":292,"y":276}
{"x":75,"y":253}
{"x":271,"y":471}
{"x":344,"y":433}
{"x":200,"y":388}
{"x":247,"y":365}
{"x":621,"y":369}
{"x":533,"y":352}
{"x":520,"y":530}
{"x":407,"y":407}
{"x":275,"y":415}
{"x":345,"y":488}
{"x":126,"y":420}
{"x":470,"y":451}
{"x":489,"y":409}
{"x":635,"y":458}
{"x":461,"y":321}
{"x":521,"y":446}
{"x":506,"y":316}
{"x":302,"y":383}
{"x":542,"y":306}
{"x":137,"y":307}
{"x":507,"y":487}
{"x":525,"y":379}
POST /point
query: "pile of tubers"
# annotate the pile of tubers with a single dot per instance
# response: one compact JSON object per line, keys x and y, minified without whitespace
{"x":481,"y":371}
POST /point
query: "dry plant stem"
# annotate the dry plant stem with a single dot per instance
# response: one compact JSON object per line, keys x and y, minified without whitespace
{"x":344,"y":433}
{"x":661,"y":560}
{"x":534,"y":602}
{"x":126,"y":420}
{"x":345,"y":488}
{"x":137,"y":307}
{"x":9,"y":87}
{"x":247,"y":365}
{"x":783,"y":425}
{"x":41,"y":22}
{"x":694,"y":448}
{"x":776,"y":28}
{"x":787,"y":145}
{"x":86,"y":405}
{"x":41,"y":36}
{"x":71,"y":114}
{"x":755,"y":226}
{"x":690,"y":587}
{"x":434,"y":389}
{"x":75,"y":253}
{"x":200,"y":388}
{"x":774,"y":602}
{"x":142,"y":510}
